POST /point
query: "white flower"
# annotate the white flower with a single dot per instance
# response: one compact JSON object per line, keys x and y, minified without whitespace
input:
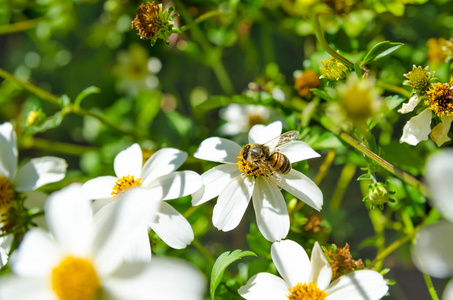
{"x":235,"y":189}
{"x":410,"y":105}
{"x":157,"y":174}
{"x":83,"y":259}
{"x":240,"y":118}
{"x":299,"y":272}
{"x":432,"y":249}
{"x":30,"y":176}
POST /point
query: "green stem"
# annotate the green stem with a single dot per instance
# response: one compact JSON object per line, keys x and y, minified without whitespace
{"x":376,"y":218}
{"x":71,"y":108}
{"x":20,"y":26}
{"x":196,"y":243}
{"x":66,"y":148}
{"x":320,"y":37}
{"x":395,"y":245}
{"x":430,"y":286}
{"x":215,"y":63}
{"x":343,"y":182}
{"x":201,"y":18}
{"x":394,"y":88}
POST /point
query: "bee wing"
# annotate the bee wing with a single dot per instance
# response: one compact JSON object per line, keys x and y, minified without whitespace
{"x":284,"y":138}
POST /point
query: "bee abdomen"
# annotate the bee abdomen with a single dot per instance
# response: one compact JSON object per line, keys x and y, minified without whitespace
{"x":280,"y":163}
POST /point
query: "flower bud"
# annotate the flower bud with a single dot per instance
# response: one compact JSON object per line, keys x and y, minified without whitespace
{"x":333,"y":69}
{"x":419,"y":79}
{"x":35,"y":118}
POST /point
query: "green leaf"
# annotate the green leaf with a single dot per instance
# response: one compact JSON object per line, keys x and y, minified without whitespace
{"x":86,"y":92}
{"x":357,"y":70}
{"x":64,"y":101}
{"x":222,"y":262}
{"x":47,"y":124}
{"x":364,"y":177}
{"x":380,"y":50}
{"x":220,"y":101}
{"x":322,"y":94}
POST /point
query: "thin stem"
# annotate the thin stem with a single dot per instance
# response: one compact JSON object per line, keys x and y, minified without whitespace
{"x":393,"y":88}
{"x":395,"y":245}
{"x":20,"y":26}
{"x":320,"y":37}
{"x":66,"y":148}
{"x":377,"y":218}
{"x":201,"y":18}
{"x":71,"y":108}
{"x":430,"y":286}
{"x":343,"y":182}
{"x":196,"y":243}
{"x":215,"y":62}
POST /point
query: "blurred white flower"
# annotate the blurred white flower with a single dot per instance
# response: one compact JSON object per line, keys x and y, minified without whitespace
{"x":310,"y":279}
{"x":30,"y":176}
{"x":240,"y":118}
{"x":431,"y":252}
{"x":157,"y":175}
{"x":83,"y":259}
{"x":235,"y":188}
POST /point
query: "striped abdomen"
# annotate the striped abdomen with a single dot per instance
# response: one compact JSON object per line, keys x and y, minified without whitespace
{"x":279,"y":163}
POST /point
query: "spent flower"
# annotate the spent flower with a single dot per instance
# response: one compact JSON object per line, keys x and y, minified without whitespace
{"x":304,"y":81}
{"x":235,"y":181}
{"x":152,"y":23}
{"x":304,"y":278}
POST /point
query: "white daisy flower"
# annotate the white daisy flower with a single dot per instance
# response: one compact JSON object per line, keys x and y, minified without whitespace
{"x":310,"y":279}
{"x":234,"y":187}
{"x":83,"y":259}
{"x":439,"y":103}
{"x":157,"y":174}
{"x":240,"y":118}
{"x":30,"y":176}
{"x":431,"y":252}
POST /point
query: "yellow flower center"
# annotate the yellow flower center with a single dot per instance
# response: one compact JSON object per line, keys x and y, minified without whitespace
{"x":75,"y":279}
{"x":124,"y":183}
{"x":6,"y":193}
{"x":255,"y":119}
{"x":304,"y":291}
{"x":247,"y":167}
{"x":441,"y":99}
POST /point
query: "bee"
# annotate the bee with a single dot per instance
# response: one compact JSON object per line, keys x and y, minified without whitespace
{"x":266,"y":157}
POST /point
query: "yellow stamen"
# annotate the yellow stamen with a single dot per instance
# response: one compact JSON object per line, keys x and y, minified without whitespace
{"x":255,"y":119}
{"x":441,"y":99}
{"x":306,"y":291}
{"x":6,"y":192}
{"x":248,"y":168}
{"x":7,"y":206}
{"x":75,"y":279}
{"x":124,"y":183}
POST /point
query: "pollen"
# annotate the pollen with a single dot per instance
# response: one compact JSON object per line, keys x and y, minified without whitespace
{"x":75,"y":279}
{"x":441,"y":99}
{"x":124,"y":183}
{"x":6,"y":193}
{"x":248,"y":168}
{"x":306,"y":291}
{"x":8,"y":211}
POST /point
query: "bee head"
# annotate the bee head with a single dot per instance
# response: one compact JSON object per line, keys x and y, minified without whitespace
{"x":245,"y":151}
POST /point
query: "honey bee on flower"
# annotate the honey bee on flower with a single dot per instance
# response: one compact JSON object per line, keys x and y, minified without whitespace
{"x":253,"y":172}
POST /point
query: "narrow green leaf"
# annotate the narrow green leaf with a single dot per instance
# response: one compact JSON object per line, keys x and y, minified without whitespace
{"x":364,"y":177}
{"x":86,"y":92}
{"x":380,"y":50}
{"x":357,"y":70}
{"x":222,"y":262}
{"x":322,"y":94}
{"x":47,"y":124}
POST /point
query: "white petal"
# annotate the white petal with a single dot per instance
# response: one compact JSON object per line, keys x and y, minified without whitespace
{"x":214,"y":181}
{"x":261,"y":134}
{"x":176,"y":184}
{"x":291,"y":261}
{"x":417,"y":128}
{"x":363,"y":284}
{"x":439,"y":134}
{"x":69,"y":218}
{"x":140,"y":249}
{"x":297,"y":151}
{"x":233,"y":113}
{"x":270,"y":208}
{"x":40,"y":171}
{"x":8,"y":153}
{"x":163,"y":162}
{"x":321,"y":272}
{"x":99,"y":188}
{"x":35,"y":199}
{"x":118,"y":229}
{"x":232,"y":203}
{"x":172,"y":227}
{"x":303,"y":188}
{"x":232,"y":128}
{"x":163,"y":278}
{"x":265,"y":286}
{"x":36,"y":256}
{"x":439,"y":177}
{"x":129,"y":162}
{"x":410,"y":105}
{"x":448,"y":291}
{"x":431,"y":252}
{"x":19,"y":288}
{"x":219,"y":150}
